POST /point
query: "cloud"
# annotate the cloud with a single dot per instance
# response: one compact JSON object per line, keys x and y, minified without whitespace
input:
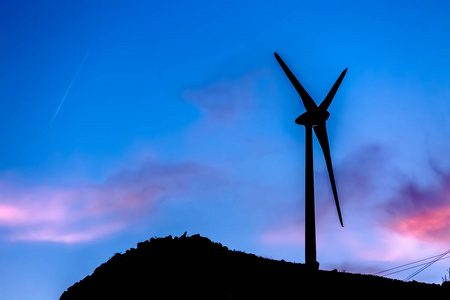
{"x":433,"y":225}
{"x":226,"y":100}
{"x":64,"y":235}
{"x":83,"y":211}
{"x":422,"y":212}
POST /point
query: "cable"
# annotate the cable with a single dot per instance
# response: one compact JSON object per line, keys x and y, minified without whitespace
{"x":402,"y":270}
{"x":427,"y":265}
{"x":377,"y":273}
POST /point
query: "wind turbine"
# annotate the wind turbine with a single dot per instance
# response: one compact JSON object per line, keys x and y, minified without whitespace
{"x":315,"y":118}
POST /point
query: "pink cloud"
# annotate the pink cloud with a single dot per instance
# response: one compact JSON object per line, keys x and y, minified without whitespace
{"x":432,"y":225}
{"x":54,"y":234}
{"x":83,"y":212}
{"x":422,"y":212}
{"x":12,"y":215}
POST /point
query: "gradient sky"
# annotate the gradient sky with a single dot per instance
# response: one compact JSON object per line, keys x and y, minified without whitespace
{"x":125,"y":120}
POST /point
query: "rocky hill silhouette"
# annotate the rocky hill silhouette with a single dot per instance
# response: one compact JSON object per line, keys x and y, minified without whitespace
{"x":196,"y":268}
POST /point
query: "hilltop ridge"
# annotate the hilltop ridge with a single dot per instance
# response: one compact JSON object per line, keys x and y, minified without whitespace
{"x":182,"y":267}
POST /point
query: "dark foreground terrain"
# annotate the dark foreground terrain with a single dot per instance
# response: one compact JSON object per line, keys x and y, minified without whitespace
{"x":196,"y":268}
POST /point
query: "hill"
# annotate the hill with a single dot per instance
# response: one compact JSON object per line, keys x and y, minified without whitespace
{"x":196,"y":268}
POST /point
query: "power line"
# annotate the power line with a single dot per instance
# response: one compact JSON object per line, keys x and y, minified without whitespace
{"x":427,"y":265}
{"x":402,"y":270}
{"x":415,"y":265}
{"x":411,"y":263}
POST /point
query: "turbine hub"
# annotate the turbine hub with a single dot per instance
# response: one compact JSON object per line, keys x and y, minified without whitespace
{"x":313,"y":118}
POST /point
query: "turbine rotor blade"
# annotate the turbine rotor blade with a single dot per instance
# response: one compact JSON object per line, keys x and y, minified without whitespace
{"x":321,"y":133}
{"x":308,"y":102}
{"x":327,"y":101}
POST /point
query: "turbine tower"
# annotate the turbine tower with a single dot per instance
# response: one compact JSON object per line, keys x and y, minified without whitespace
{"x":315,"y":118}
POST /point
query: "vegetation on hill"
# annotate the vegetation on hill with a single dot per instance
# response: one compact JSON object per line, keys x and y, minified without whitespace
{"x":196,"y":268}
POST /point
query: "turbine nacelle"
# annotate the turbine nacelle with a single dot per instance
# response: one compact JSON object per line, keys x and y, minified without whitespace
{"x":313,"y":118}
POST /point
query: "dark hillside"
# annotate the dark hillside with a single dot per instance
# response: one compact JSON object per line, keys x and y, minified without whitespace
{"x":196,"y":268}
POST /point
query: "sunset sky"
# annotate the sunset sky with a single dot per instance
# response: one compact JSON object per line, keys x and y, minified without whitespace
{"x":126,"y":120}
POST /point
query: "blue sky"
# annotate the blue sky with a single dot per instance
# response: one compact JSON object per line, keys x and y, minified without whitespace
{"x":175,"y":116}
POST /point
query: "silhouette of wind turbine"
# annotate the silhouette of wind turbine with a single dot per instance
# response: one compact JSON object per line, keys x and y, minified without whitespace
{"x":315,"y":118}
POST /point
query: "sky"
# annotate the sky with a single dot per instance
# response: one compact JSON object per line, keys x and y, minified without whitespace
{"x":126,"y":120}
